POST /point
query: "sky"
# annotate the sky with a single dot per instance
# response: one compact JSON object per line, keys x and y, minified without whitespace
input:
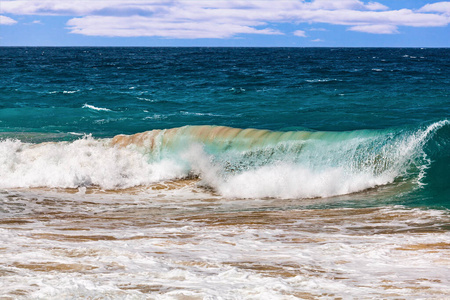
{"x":225,"y":23}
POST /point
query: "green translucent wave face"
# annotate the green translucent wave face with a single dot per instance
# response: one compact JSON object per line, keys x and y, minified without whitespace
{"x":384,"y":156}
{"x":378,"y":150}
{"x":406,"y":165}
{"x":436,"y":191}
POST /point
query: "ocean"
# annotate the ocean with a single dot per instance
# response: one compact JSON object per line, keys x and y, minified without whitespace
{"x":224,"y":173}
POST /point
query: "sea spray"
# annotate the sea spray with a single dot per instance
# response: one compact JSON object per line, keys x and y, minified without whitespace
{"x":261,"y":163}
{"x":83,"y":163}
{"x":233,"y":162}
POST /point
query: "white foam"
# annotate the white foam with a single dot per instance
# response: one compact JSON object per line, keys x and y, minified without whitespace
{"x":76,"y":133}
{"x":320,"y":169}
{"x":155,"y":117}
{"x":313,"y":253}
{"x":146,"y":99}
{"x":281,"y":180}
{"x":186,"y":113}
{"x":64,"y":92}
{"x":287,"y":181}
{"x":95,"y":108}
{"x":85,"y":162}
{"x":321,"y":80}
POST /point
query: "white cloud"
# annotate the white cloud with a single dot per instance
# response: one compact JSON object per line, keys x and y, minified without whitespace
{"x":225,"y":18}
{"x":35,"y":22}
{"x":403,"y":17}
{"x":376,"y":6}
{"x":317,"y":40}
{"x":377,"y":29}
{"x":300,"y":33}
{"x":57,"y":7}
{"x":440,"y":7}
{"x":144,"y":26}
{"x":4,"y":20}
{"x":345,"y":4}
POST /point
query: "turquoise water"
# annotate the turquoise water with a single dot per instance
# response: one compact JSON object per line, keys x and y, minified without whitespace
{"x":376,"y":117}
{"x":224,"y":173}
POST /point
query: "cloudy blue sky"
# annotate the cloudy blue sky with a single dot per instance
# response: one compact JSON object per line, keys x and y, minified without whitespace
{"x":260,"y":23}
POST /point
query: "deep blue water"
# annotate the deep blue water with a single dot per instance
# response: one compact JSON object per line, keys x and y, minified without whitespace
{"x":45,"y":89}
{"x":55,"y":94}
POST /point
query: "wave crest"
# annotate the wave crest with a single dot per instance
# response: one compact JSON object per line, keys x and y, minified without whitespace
{"x":234,"y":162}
{"x":95,"y":108}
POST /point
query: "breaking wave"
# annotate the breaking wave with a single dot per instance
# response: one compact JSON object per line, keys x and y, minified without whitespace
{"x":233,"y":162}
{"x":95,"y":108}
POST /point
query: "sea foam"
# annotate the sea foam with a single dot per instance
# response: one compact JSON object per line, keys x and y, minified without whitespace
{"x":233,"y":162}
{"x":85,"y":162}
{"x":95,"y":108}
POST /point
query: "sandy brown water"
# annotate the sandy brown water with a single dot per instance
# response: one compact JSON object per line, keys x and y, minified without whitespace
{"x":174,"y":241}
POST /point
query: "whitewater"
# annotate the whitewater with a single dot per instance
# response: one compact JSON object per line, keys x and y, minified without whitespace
{"x":224,"y":173}
{"x":233,"y":162}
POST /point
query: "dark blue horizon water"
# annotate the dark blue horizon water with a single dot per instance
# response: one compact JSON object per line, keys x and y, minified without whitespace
{"x":56,"y":94}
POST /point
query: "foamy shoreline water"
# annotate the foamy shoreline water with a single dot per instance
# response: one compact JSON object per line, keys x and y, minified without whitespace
{"x":341,"y":190}
{"x":167,"y":243}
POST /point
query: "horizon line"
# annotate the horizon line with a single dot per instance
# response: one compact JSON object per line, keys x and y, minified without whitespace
{"x":254,"y":47}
